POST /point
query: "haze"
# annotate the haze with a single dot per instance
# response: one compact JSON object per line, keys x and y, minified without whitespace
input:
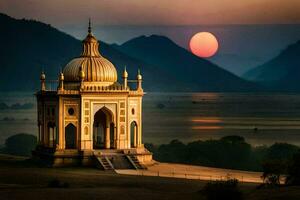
{"x":155,"y":12}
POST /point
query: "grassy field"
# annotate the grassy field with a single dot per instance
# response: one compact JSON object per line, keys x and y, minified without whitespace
{"x":22,"y":180}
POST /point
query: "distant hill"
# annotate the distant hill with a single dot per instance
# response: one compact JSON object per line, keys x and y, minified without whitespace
{"x":184,"y":66}
{"x":280,"y":73}
{"x":28,"y":47}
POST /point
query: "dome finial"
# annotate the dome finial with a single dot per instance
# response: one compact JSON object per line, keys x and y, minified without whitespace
{"x":125,"y":74}
{"x":90,"y":27}
{"x":139,"y":76}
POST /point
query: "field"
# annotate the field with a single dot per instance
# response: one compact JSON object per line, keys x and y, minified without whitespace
{"x":22,"y":180}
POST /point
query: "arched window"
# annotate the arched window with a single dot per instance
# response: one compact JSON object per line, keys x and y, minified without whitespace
{"x":133,"y":134}
{"x":70,"y":136}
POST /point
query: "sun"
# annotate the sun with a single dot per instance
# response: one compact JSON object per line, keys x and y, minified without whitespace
{"x":204,"y":44}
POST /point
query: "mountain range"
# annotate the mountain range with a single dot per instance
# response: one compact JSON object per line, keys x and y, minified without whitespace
{"x":28,"y":47}
{"x":281,"y":73}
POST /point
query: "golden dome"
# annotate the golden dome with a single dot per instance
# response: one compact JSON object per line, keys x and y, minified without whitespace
{"x":95,"y":67}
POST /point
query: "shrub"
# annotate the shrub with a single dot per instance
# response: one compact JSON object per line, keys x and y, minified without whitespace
{"x":222,"y":190}
{"x":21,"y":144}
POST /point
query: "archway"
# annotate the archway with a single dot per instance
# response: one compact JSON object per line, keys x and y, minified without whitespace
{"x":133,"y":134}
{"x":70,"y":136}
{"x":103,"y":129}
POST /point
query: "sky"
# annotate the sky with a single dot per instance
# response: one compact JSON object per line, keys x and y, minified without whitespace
{"x":156,"y":12}
{"x":250,"y":32}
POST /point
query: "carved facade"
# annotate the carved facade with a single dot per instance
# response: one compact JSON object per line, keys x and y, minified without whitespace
{"x":90,"y":114}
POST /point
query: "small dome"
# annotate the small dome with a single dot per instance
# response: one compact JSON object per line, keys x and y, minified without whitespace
{"x":95,"y":67}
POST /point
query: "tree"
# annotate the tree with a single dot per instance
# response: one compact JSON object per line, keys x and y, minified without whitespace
{"x":272,"y":171}
{"x":21,"y":144}
{"x":293,"y":174}
{"x":281,"y":151}
{"x":173,"y":152}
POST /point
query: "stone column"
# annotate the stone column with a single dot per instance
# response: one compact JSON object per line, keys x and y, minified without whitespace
{"x":53,"y":137}
{"x":115,"y":137}
{"x":138,"y":137}
{"x":135,"y":143}
{"x":107,"y":138}
{"x":61,"y":129}
{"x":39,"y":136}
{"x":42,"y":134}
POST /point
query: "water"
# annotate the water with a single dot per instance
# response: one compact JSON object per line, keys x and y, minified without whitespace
{"x":262,"y":119}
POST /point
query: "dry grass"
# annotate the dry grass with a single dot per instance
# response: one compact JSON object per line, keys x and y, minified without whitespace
{"x":21,"y":180}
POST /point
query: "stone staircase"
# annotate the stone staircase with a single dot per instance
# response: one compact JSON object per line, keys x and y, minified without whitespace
{"x":104,"y":163}
{"x":135,"y":162}
{"x":110,"y":159}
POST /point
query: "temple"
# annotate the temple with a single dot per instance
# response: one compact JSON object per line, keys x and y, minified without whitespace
{"x":91,"y":119}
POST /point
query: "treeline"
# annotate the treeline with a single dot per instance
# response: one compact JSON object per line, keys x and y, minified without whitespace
{"x":231,"y":152}
{"x":20,"y":144}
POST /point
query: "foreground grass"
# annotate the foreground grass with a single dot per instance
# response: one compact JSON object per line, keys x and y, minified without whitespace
{"x":22,"y":180}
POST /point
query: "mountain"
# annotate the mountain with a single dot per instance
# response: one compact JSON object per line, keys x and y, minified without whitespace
{"x":181,"y":64}
{"x":280,"y":73}
{"x":28,"y":47}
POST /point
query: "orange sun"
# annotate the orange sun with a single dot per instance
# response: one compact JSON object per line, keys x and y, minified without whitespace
{"x":204,"y":44}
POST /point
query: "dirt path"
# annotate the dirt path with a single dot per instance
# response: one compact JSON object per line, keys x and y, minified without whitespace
{"x":195,"y":172}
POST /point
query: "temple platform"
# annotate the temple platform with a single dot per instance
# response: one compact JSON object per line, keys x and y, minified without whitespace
{"x":104,"y":159}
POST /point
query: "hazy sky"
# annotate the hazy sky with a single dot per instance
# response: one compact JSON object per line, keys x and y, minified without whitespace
{"x":155,"y":12}
{"x":116,"y":21}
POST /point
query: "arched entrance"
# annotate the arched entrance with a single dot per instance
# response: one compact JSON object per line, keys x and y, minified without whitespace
{"x":133,"y":134}
{"x":70,"y":136}
{"x":103,"y":129}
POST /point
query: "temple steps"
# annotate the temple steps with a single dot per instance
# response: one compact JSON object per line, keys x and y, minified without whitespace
{"x":135,"y":162}
{"x":113,"y":162}
{"x":104,"y":163}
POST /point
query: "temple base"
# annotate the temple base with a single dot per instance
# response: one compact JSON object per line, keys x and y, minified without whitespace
{"x":106,"y":159}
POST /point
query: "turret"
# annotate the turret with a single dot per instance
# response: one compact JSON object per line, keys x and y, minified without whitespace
{"x":139,"y":80}
{"x":43,"y":81}
{"x":61,"y":81}
{"x":125,"y":78}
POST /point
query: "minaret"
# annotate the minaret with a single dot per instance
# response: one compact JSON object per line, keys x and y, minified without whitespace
{"x":43,"y":81}
{"x":139,"y":80}
{"x":61,"y":81}
{"x":125,"y":78}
